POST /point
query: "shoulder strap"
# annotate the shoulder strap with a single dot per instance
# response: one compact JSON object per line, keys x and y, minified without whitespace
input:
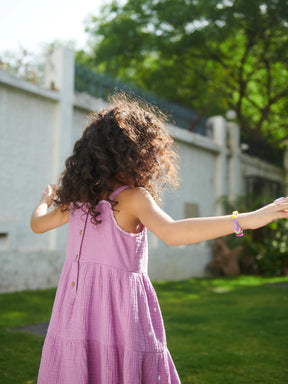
{"x":118,"y":190}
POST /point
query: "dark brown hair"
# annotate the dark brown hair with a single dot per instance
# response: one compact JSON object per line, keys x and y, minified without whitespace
{"x":126,"y":142}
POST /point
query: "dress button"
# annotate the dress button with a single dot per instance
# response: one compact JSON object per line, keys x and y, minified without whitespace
{"x":80,"y":232}
{"x":73,"y":284}
{"x":76,"y":257}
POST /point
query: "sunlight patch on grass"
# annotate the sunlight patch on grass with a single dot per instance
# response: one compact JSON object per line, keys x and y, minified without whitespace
{"x":222,"y":289}
{"x":192,"y":297}
{"x":12,"y":315}
{"x":231,"y":283}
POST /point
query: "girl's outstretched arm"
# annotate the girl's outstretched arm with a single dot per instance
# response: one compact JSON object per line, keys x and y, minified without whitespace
{"x":42,"y":220}
{"x":194,"y":230}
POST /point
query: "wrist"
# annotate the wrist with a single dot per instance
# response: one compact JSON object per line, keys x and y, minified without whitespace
{"x":243,"y":220}
{"x":43,"y":200}
{"x":42,"y":207}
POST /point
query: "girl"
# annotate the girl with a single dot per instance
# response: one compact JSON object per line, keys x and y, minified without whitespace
{"x":106,"y":326}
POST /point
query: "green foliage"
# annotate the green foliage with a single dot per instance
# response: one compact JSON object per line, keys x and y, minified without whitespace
{"x":270,"y":249}
{"x":265,"y":250}
{"x":211,"y":55}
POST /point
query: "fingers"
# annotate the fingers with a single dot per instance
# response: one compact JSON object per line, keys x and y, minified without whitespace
{"x":54,"y":188}
{"x":281,"y":205}
{"x":46,"y":190}
{"x":50,"y":191}
{"x":281,"y":200}
{"x":278,"y":201}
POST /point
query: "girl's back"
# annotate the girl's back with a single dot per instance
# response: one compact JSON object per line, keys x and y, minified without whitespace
{"x":107,"y":243}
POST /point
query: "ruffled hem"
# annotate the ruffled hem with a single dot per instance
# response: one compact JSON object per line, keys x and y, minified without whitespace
{"x":88,"y":362}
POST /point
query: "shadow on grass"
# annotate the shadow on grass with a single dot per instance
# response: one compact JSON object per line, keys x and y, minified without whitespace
{"x":18,"y":309}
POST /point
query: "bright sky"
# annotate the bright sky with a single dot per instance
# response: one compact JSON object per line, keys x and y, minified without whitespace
{"x":28,"y":23}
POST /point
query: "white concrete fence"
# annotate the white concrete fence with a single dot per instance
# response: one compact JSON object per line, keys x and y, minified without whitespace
{"x":38,"y":127}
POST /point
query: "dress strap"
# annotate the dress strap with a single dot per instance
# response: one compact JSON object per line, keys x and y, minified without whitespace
{"x":118,"y":190}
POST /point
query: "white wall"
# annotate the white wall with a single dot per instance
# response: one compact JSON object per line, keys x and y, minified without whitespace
{"x":27,"y":147}
{"x":37,"y":130}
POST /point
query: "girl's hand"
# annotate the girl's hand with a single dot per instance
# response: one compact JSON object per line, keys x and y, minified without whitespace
{"x":42,"y":220}
{"x":49,"y":194}
{"x":263,"y":216}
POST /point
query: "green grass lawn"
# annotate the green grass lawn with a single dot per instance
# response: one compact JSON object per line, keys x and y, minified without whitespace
{"x":219,"y":331}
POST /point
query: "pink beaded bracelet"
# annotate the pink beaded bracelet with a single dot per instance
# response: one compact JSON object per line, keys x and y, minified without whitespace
{"x":237,"y":229}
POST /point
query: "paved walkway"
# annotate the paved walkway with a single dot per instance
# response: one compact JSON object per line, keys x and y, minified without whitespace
{"x":280,"y":284}
{"x":35,"y":329}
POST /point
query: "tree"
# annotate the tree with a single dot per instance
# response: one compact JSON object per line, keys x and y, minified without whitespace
{"x":210,"y":55}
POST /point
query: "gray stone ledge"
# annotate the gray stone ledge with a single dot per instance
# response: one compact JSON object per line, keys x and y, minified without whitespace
{"x":21,"y":84}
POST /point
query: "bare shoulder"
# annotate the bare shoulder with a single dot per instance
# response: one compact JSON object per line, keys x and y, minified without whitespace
{"x":138,"y":192}
{"x":142,"y":207}
{"x":135,"y":196}
{"x":134,"y":200}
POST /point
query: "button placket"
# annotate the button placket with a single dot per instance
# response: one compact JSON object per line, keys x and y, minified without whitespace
{"x":75,"y":263}
{"x":74,"y":278}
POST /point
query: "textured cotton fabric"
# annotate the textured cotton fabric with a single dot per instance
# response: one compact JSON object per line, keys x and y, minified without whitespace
{"x":106,"y":326}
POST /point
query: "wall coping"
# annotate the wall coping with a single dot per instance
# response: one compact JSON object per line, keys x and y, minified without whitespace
{"x":24,"y":85}
{"x":88,"y":103}
{"x":259,"y":163}
{"x":194,"y":139}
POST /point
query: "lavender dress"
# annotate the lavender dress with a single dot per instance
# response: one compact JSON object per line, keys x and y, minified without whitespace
{"x":106,"y":326}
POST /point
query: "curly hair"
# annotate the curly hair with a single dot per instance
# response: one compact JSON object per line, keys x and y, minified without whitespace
{"x":127,"y":142}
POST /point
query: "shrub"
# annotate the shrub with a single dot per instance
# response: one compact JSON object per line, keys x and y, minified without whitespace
{"x":265,"y":250}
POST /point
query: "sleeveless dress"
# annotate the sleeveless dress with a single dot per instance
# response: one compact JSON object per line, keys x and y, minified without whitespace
{"x":106,"y":326}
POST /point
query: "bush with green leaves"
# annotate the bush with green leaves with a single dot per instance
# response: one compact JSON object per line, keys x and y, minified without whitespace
{"x":265,"y":250}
